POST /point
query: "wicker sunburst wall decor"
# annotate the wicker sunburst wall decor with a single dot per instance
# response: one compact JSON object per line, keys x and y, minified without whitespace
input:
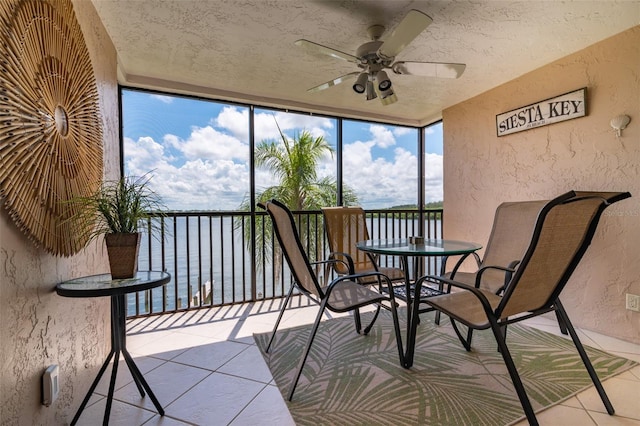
{"x":51,"y":130}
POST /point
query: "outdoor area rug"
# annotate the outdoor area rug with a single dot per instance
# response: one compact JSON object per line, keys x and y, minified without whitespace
{"x":352,"y":379}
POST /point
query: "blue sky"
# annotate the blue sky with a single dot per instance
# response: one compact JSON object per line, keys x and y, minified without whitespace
{"x":198,"y":151}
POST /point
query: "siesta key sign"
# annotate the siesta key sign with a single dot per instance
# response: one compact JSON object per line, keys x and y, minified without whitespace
{"x":554,"y":110}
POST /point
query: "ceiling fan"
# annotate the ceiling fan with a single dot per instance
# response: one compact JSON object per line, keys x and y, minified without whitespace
{"x":375,"y":56}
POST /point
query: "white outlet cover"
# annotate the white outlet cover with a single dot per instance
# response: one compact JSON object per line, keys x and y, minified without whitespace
{"x":633,"y":302}
{"x":50,"y":385}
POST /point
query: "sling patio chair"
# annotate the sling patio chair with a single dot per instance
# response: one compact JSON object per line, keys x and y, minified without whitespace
{"x":513,"y":226}
{"x":563,"y":231}
{"x":343,"y":294}
{"x":345,"y":226}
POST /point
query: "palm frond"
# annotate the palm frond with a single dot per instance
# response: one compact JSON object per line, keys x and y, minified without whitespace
{"x":294,"y":162}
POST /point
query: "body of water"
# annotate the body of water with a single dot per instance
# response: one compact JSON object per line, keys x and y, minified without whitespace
{"x":209,"y":263}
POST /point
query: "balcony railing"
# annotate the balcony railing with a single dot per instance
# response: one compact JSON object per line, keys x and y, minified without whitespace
{"x":210,"y":264}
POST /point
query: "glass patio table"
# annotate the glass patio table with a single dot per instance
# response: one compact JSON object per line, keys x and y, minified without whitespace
{"x":423,"y":247}
{"x":104,"y":285}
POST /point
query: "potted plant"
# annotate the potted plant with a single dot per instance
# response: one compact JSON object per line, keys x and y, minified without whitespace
{"x":118,"y":210}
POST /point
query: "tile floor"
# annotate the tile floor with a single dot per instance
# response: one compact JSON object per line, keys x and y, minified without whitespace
{"x":206,"y":370}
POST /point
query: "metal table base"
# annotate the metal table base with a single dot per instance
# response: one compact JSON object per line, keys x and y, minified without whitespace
{"x":118,"y":346}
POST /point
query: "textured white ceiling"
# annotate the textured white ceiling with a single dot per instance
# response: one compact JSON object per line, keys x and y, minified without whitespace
{"x":243,"y":50}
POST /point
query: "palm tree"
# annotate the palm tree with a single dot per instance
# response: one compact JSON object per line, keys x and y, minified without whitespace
{"x":294,"y":162}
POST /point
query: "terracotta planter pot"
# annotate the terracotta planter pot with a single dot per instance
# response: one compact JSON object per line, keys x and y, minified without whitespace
{"x":123,"y":254}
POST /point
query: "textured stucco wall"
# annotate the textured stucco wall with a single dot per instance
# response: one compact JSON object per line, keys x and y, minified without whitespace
{"x":37,"y":327}
{"x":482,"y":170}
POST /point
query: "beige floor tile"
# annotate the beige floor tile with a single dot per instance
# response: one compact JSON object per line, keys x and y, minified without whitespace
{"x":217,"y":400}
{"x":260,"y":325}
{"x":166,"y":420}
{"x":216,"y":329}
{"x":168,"y":382}
{"x":632,"y":356}
{"x":267,"y":405}
{"x":615,"y":420}
{"x":623,"y":394}
{"x":121,"y":414}
{"x":136,"y":340}
{"x":171,"y":345}
{"x":247,"y":340}
{"x":144,"y":364}
{"x":211,"y":356}
{"x":613,"y":344}
{"x":144,"y":325}
{"x":565,"y":416}
{"x":95,"y":398}
{"x":248,"y":364}
{"x":561,"y":415}
{"x":629,"y":374}
{"x":572,"y":402}
{"x":636,"y":372}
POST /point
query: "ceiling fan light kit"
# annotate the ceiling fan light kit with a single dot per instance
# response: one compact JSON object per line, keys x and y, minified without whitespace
{"x":382,"y":80}
{"x":389,"y":99}
{"x":375,"y":56}
{"x":371,"y":91}
{"x":361,"y":83}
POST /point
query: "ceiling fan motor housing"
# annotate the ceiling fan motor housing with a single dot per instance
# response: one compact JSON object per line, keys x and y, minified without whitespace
{"x":368,"y":52}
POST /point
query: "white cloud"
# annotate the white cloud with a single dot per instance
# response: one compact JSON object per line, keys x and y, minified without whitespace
{"x":209,"y":169}
{"x":235,"y":121}
{"x":433,"y":178}
{"x":266,"y":129}
{"x":202,"y":175}
{"x":382,"y":136}
{"x":143,"y":155}
{"x":400,"y":131}
{"x":163,"y":98}
{"x":198,"y":184}
{"x":209,"y":144}
{"x":381,"y":182}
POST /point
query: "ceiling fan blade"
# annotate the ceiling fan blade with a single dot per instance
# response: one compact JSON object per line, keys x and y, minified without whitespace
{"x":335,"y":81}
{"x":412,"y":24}
{"x":429,"y":69}
{"x":318,"y":48}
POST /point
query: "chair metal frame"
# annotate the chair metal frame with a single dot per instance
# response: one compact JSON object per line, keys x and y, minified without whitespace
{"x":343,"y":294}
{"x":352,"y":228}
{"x":513,"y":226}
{"x":344,"y":227}
{"x":346,"y":258}
{"x":525,"y":296}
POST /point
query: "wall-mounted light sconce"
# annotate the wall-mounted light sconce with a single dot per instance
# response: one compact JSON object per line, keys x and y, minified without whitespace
{"x":619,"y":123}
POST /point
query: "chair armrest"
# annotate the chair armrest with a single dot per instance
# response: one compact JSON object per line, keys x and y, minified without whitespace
{"x":509,"y":270}
{"x":509,"y":275}
{"x":349,"y":260}
{"x":328,"y":261}
{"x":459,"y":263}
{"x":328,"y":264}
{"x":436,"y":278}
{"x":354,"y":277}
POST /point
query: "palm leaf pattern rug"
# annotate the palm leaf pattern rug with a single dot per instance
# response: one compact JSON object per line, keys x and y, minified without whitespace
{"x":352,"y":379}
